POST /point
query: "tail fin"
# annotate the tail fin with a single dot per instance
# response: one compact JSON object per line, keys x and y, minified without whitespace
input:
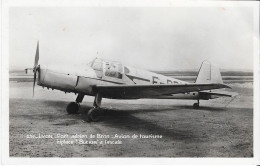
{"x":208,"y":74}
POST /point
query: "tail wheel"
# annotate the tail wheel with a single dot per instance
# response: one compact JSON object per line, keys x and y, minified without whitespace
{"x":93,"y":114}
{"x":196,"y":106}
{"x":72,"y":108}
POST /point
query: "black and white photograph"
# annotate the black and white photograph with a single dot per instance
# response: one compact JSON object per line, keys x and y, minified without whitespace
{"x":132,"y":81}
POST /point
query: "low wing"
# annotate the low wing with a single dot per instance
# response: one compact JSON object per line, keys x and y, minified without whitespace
{"x":148,"y":91}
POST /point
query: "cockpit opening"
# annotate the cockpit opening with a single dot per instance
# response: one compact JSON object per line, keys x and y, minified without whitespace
{"x":107,"y":68}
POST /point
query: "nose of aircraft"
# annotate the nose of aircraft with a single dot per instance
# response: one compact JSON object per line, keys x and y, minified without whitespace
{"x":42,"y":69}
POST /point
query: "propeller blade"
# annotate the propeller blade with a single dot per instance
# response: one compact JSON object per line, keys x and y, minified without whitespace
{"x":36,"y":67}
{"x":36,"y":60}
{"x":34,"y":80}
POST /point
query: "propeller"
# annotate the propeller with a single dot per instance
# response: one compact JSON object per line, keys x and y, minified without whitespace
{"x":36,"y":67}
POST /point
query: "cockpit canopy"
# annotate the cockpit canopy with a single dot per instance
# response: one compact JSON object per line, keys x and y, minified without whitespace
{"x":107,"y":68}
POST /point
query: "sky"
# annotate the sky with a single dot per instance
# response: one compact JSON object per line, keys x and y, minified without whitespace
{"x":153,"y":38}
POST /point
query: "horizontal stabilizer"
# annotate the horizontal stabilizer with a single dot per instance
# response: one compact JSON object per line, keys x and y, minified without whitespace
{"x":220,"y":94}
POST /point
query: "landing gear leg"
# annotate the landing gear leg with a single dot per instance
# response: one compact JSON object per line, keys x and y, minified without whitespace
{"x":196,"y":105}
{"x":94,"y":113}
{"x":73,"y":107}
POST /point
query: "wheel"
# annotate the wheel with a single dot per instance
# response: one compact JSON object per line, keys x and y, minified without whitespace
{"x":196,"y":106}
{"x":93,"y":114}
{"x":72,"y":108}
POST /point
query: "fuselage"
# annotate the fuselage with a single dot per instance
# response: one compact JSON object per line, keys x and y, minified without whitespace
{"x":81,"y":79}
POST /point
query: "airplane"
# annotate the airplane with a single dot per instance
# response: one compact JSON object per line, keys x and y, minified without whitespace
{"x":113,"y":80}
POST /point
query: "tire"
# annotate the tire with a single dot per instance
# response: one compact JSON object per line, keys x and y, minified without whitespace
{"x":72,"y":108}
{"x":196,"y":106}
{"x":93,"y":114}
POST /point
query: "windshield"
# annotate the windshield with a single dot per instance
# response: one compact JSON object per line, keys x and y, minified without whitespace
{"x":91,"y":62}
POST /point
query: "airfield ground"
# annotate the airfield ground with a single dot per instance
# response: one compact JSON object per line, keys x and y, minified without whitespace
{"x":217,"y":129}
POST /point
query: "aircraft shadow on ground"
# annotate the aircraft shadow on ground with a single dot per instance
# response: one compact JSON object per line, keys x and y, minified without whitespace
{"x":202,"y":108}
{"x":85,"y":107}
{"x":117,"y":118}
{"x":126,"y":120}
